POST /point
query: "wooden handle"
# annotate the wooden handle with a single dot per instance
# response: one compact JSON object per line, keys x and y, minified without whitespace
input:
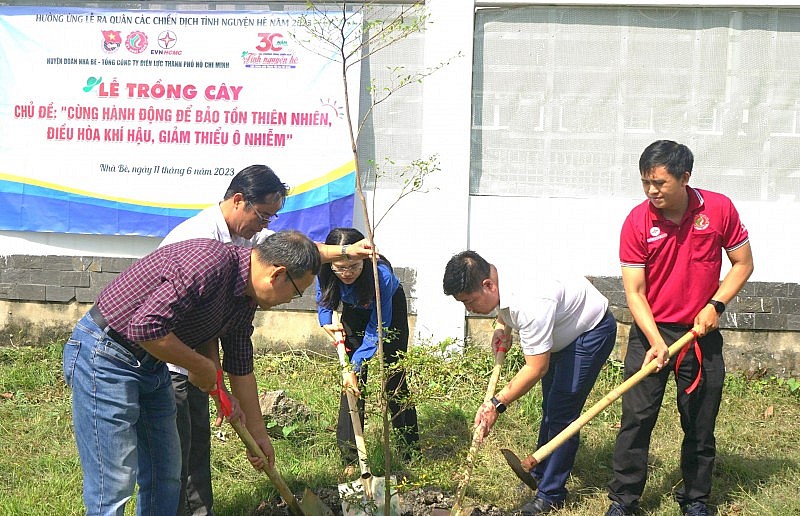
{"x":545,"y":451}
{"x":338,"y":338}
{"x":352,"y":403}
{"x":272,"y":473}
{"x":499,"y":357}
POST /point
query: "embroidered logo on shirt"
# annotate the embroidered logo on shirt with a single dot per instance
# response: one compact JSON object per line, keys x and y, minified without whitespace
{"x":701,"y":222}
{"x":656,"y":233}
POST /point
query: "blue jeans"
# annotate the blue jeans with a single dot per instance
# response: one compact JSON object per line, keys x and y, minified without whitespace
{"x":123,"y":411}
{"x":565,"y":387}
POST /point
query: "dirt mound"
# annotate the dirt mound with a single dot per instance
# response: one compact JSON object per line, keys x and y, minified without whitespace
{"x":417,"y":502}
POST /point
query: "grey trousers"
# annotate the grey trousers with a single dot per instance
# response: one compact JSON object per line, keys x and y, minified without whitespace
{"x":194,"y":429}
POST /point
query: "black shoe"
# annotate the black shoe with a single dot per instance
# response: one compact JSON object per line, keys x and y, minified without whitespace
{"x":695,"y":509}
{"x":617,"y":509}
{"x":540,"y":506}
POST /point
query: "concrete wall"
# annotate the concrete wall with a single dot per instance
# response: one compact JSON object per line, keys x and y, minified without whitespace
{"x":41,"y":298}
{"x":761,"y":326}
{"x":425,"y":229}
{"x":755,"y":352}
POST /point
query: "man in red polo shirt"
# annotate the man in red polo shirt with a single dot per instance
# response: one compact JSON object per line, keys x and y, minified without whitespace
{"x":671,"y":256}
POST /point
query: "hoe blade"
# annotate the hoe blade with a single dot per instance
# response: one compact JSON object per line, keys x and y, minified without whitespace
{"x":516,"y":466}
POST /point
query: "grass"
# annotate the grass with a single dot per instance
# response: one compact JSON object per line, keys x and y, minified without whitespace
{"x":757,"y":472}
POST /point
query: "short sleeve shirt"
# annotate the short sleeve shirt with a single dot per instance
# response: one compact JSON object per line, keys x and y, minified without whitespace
{"x":550,"y":314}
{"x":682,"y":262}
{"x":194,"y":289}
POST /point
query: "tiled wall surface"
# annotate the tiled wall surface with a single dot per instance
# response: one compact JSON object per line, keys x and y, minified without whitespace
{"x":759,"y":305}
{"x":62,"y":279}
{"x":44,"y":295}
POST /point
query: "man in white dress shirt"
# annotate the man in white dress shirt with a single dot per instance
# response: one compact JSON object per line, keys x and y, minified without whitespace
{"x":251,"y":202}
{"x":566,"y":333}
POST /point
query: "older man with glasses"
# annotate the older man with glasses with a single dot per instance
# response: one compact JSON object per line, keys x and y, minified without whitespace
{"x":171,"y":306}
{"x":264,"y":219}
{"x":251,"y":202}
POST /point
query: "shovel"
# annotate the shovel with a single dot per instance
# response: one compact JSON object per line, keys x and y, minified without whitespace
{"x":312,"y":505}
{"x":522,"y":468}
{"x":476,"y":434}
{"x":367,"y":494}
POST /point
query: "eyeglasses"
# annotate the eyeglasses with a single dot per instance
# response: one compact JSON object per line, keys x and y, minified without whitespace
{"x":350,"y":268}
{"x":299,"y":292}
{"x":262,"y":219}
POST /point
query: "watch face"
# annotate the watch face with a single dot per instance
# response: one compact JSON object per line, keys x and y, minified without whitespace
{"x":498,"y":405}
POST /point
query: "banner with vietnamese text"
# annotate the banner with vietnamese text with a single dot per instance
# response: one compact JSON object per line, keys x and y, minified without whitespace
{"x":127,"y":122}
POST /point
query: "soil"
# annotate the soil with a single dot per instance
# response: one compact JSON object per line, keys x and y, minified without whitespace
{"x":418,"y":502}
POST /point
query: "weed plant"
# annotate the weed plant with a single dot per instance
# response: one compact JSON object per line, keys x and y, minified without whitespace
{"x":758,"y":447}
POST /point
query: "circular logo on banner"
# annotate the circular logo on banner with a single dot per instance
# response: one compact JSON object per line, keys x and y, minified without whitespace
{"x":701,"y":221}
{"x":654,"y":231}
{"x":167,"y":39}
{"x":136,"y":42}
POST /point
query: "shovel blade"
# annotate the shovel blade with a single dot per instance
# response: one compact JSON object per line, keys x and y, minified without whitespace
{"x":313,"y":506}
{"x":355,"y":501}
{"x":516,"y":467}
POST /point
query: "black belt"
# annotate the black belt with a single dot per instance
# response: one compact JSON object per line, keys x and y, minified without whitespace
{"x":675,"y":326}
{"x":100,"y":321}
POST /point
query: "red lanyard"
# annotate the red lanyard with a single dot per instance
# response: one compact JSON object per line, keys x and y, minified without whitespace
{"x":697,"y":353}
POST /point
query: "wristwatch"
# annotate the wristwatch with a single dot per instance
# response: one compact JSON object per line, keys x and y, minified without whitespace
{"x":344,"y":252}
{"x":719,"y":306}
{"x":499,"y":406}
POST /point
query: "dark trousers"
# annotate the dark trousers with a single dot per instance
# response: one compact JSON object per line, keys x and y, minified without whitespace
{"x":698,"y":413}
{"x":404,"y":414}
{"x":194,"y":429}
{"x":565,"y":387}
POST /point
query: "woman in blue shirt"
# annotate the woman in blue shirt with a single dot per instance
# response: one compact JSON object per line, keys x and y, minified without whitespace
{"x":351,"y":284}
